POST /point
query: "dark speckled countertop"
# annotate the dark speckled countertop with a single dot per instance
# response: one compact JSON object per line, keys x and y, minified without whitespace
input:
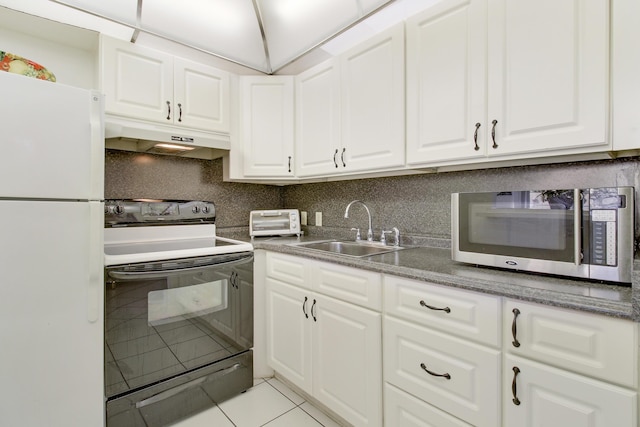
{"x":434,"y":265}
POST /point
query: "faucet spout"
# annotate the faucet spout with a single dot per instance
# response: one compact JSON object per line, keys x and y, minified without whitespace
{"x":369,"y":230}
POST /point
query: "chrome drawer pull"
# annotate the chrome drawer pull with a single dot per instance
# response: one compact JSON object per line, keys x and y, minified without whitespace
{"x":423,"y":366}
{"x":514,"y":391}
{"x":514,"y":330}
{"x":424,"y":304}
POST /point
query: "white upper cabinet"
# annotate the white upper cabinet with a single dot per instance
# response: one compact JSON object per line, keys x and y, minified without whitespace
{"x":350,"y":110}
{"x":266,"y":126}
{"x":446,"y":82}
{"x":530,"y":77}
{"x":151,"y":85}
{"x":372,"y":107}
{"x":548,"y":75}
{"x":318,"y":145}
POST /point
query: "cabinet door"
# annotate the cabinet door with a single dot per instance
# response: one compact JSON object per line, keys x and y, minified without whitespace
{"x":446,"y":82}
{"x":137,"y":82}
{"x":347,"y":365}
{"x":266,"y":125}
{"x":318,"y":148}
{"x":372,"y":92}
{"x":458,"y":377}
{"x":548,"y":75}
{"x":554,"y":398}
{"x":201,"y":95}
{"x":598,"y":346}
{"x":289,"y":332}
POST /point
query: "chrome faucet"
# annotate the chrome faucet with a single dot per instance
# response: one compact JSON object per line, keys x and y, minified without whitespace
{"x":369,"y":231}
{"x":396,"y":235}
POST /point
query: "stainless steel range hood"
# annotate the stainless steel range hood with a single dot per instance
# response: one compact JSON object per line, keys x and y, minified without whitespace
{"x":133,"y":135}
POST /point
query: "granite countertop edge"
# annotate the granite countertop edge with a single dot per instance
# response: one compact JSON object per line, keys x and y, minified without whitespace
{"x":499,"y":283}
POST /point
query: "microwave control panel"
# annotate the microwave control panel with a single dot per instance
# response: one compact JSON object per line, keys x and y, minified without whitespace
{"x":604,"y":236}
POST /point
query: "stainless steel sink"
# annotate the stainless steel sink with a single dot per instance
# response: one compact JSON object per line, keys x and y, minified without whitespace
{"x":350,"y":248}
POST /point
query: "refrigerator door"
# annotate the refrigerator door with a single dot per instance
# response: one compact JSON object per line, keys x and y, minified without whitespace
{"x":51,"y":276}
{"x":52,"y":140}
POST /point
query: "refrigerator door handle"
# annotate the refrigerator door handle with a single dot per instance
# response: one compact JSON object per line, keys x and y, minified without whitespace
{"x":97,"y":146}
{"x":96,"y":266}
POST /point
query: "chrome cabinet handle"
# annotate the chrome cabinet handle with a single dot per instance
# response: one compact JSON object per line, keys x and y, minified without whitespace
{"x":289,"y":163}
{"x":475,"y":137}
{"x":514,"y":390}
{"x":344,"y":165}
{"x":514,"y":330}
{"x":180,"y":112}
{"x":168,"y":110}
{"x":493,"y":133}
{"x":313,"y":313}
{"x":445,"y":309}
{"x":423,"y":366}
{"x":304,"y":307}
{"x":335,"y":162}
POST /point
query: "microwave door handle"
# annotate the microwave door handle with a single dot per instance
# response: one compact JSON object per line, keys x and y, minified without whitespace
{"x":577,"y":229}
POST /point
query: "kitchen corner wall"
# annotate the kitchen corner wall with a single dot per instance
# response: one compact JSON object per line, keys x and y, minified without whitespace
{"x":418,"y":205}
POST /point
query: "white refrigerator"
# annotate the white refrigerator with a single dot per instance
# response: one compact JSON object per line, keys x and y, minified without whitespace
{"x":51,"y":254}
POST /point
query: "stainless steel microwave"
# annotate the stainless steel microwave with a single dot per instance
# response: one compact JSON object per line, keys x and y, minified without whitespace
{"x":582,"y":232}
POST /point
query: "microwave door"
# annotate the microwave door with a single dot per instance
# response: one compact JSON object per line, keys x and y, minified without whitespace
{"x":519,"y":229}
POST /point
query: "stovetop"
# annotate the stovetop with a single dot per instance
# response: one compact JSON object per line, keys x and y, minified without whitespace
{"x":145,"y":231}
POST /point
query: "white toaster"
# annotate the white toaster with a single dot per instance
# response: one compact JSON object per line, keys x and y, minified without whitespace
{"x":280,"y":222}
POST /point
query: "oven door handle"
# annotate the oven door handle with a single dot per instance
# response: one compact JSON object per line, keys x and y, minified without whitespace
{"x":159,"y":274}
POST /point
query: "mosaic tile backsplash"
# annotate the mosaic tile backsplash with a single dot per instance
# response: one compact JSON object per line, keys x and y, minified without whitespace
{"x":418,"y":205}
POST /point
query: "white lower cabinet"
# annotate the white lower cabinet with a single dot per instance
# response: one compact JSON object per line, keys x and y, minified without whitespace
{"x":567,"y":368}
{"x":452,"y":374}
{"x":404,"y":410}
{"x":441,"y":345}
{"x":541,"y":395}
{"x":329,"y":348}
{"x":452,"y":357}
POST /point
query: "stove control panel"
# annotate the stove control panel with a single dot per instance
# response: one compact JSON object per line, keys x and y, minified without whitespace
{"x":147,"y":212}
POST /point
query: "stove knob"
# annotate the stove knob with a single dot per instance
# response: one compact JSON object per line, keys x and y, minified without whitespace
{"x":205,"y":209}
{"x":118,"y":210}
{"x":195,"y":209}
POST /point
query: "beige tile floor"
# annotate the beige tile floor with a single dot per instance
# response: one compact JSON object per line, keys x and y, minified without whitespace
{"x":270,"y":403}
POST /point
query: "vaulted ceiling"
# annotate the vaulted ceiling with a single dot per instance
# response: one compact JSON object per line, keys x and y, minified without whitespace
{"x":264,"y":35}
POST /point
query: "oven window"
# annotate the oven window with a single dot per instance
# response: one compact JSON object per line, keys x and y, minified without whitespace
{"x":525,"y":224}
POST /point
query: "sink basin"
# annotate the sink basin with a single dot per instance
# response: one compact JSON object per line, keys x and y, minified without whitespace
{"x":354,"y":249}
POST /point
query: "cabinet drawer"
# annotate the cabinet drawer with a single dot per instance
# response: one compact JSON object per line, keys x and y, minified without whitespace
{"x":472,"y":390}
{"x":598,"y":346}
{"x":467,"y":314}
{"x":404,"y":410}
{"x":352,"y":285}
{"x":289,"y":269}
{"x":553,"y":397}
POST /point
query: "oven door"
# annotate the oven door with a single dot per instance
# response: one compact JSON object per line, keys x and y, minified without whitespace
{"x":168,"y":320}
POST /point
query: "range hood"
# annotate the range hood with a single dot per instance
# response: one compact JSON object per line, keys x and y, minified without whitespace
{"x":140,"y":136}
